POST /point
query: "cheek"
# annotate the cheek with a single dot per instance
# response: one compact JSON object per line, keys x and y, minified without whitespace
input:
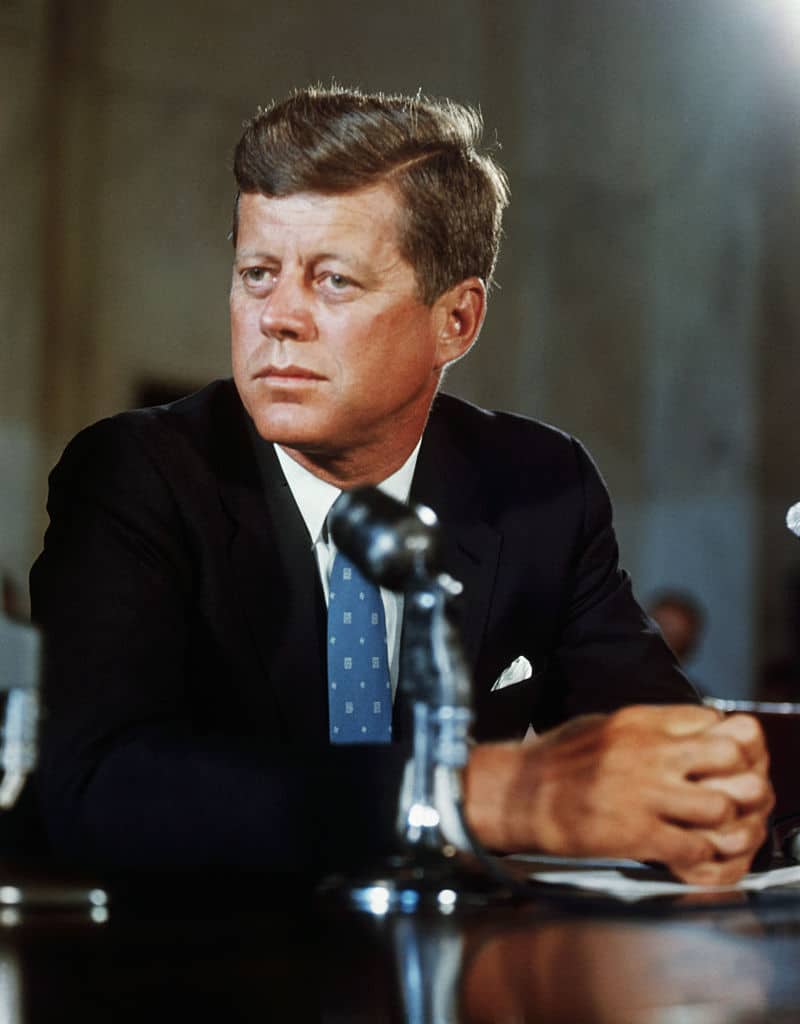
{"x":395,"y":339}
{"x":242,"y":362}
{"x":245,"y":335}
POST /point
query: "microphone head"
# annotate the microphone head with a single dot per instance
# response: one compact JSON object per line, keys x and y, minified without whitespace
{"x":793,"y":519}
{"x":391,"y":543}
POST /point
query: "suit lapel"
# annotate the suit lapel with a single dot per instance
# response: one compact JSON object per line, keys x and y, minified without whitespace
{"x":278,"y":582}
{"x":447,"y":478}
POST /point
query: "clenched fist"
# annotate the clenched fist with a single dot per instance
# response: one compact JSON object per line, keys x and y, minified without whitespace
{"x":675,"y":784}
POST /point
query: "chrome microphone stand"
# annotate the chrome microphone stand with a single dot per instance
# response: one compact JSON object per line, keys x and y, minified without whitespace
{"x":20,"y":659}
{"x":438,"y":863}
{"x":20,"y":670}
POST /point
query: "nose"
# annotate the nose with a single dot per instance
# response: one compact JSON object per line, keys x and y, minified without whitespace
{"x":286,"y":313}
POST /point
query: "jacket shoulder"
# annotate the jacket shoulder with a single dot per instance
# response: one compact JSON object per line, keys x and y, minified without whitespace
{"x":199,"y":426}
{"x":504,"y":440}
{"x":495,"y":425}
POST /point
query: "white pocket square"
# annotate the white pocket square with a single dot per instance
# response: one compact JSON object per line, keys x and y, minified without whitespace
{"x":519,"y":669}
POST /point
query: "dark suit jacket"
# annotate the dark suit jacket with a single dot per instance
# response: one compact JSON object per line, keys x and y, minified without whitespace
{"x":185,"y":689}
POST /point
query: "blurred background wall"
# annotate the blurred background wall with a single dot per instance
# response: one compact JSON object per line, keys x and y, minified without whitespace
{"x":648,"y":297}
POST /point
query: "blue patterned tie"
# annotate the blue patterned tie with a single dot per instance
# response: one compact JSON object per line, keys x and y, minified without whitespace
{"x":359,"y":687}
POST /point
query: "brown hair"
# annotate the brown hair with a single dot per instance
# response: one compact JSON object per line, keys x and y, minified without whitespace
{"x":337,"y":140}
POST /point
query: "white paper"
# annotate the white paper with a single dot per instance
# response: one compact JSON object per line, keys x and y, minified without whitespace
{"x":622,"y":882}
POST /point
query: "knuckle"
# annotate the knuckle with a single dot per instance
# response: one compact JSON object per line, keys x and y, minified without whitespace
{"x":748,"y":788}
{"x":727,"y":747}
{"x":746,"y":727}
{"x":755,"y":790}
{"x":741,"y":840}
{"x":719,"y":807}
{"x":723,"y":751}
{"x":632,"y":715}
{"x":762,"y":790}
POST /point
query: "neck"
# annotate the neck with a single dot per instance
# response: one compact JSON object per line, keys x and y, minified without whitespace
{"x":352,"y":469}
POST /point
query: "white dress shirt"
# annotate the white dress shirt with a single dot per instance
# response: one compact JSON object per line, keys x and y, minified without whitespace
{"x":314,"y":498}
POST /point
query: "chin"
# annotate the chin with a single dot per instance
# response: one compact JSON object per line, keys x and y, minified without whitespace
{"x":287,"y":428}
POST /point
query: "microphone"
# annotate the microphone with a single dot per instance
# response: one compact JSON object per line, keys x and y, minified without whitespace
{"x":20,"y":661}
{"x":793,"y":519}
{"x":790,"y":847}
{"x":18,"y":753}
{"x":391,"y":543}
{"x":398,"y":546}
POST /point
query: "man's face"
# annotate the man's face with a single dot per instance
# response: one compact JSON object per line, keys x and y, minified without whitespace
{"x":333,"y":353}
{"x":678,"y":629}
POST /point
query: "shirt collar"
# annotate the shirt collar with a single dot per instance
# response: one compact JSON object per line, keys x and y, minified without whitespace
{"x":314,"y":497}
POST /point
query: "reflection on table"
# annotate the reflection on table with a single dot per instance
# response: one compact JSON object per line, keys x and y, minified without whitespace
{"x":257,"y":949}
{"x":612,"y":971}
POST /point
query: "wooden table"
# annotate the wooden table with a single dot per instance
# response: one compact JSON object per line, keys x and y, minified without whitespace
{"x":263,"y":949}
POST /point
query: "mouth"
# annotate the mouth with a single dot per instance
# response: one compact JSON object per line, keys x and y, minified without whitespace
{"x":287,"y":374}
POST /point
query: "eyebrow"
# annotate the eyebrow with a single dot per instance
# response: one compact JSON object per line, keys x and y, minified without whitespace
{"x":353,"y":263}
{"x":262,"y":255}
{"x":253,"y":254}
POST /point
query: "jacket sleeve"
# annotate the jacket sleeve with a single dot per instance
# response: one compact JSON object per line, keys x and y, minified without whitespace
{"x":608,"y":653}
{"x":127,"y":778}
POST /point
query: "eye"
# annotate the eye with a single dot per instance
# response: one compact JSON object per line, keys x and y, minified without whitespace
{"x":254,"y":275}
{"x":337,"y":284}
{"x":257,"y":280}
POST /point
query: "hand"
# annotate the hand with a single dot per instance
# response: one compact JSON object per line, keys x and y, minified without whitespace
{"x":673,"y":784}
{"x":736,"y":842}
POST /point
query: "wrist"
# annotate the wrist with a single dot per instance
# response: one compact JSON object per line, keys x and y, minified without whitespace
{"x":497,"y":809}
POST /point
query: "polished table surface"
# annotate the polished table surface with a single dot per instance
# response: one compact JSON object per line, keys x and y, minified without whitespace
{"x":266,"y":949}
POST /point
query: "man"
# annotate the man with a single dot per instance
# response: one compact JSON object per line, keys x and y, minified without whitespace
{"x":681,"y":620}
{"x":184,"y":582}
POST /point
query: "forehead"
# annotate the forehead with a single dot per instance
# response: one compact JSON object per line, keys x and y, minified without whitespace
{"x":367,"y":219}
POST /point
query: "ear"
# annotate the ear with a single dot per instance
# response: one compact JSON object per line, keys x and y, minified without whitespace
{"x":459,"y":313}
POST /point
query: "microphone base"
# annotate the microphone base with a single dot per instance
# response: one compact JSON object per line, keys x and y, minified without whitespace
{"x":422,"y":880}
